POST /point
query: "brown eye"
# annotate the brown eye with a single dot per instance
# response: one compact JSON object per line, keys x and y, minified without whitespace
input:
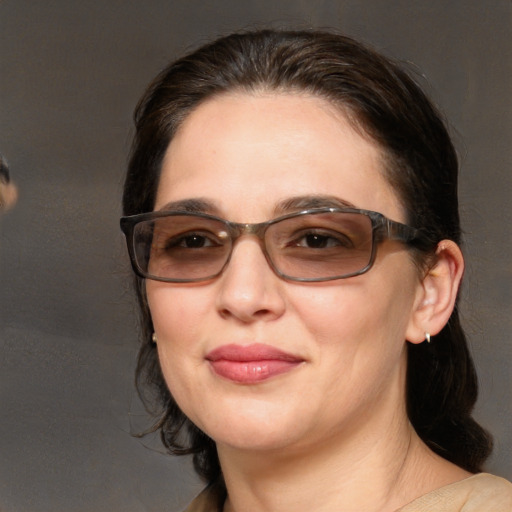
{"x":323,"y":240}
{"x":193,"y":241}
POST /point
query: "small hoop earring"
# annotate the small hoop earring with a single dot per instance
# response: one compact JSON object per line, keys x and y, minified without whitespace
{"x":427,"y":337}
{"x":154,"y":338}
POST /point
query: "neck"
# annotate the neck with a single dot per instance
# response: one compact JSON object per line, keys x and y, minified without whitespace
{"x":378,"y":469}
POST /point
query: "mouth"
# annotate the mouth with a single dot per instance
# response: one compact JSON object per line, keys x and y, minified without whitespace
{"x":250,"y":364}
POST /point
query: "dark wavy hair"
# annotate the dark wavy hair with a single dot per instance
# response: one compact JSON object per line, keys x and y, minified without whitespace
{"x":385,"y":104}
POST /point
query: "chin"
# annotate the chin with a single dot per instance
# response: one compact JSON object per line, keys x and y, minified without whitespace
{"x":255,"y":440}
{"x":263,"y":428}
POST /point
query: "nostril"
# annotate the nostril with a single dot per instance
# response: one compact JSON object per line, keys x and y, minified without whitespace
{"x":247,"y":315}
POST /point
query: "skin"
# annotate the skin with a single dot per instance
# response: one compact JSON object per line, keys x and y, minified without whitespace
{"x":314,"y":437}
{"x":8,"y":191}
{"x":8,"y":196}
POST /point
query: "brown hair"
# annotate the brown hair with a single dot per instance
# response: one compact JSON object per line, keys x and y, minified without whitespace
{"x":385,"y":104}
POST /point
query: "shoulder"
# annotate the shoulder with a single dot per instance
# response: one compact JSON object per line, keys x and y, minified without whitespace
{"x":478,"y":493}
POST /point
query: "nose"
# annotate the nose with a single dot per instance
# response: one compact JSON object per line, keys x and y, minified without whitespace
{"x":249,"y":288}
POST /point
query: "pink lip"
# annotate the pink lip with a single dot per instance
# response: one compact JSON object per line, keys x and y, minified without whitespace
{"x":249,"y":364}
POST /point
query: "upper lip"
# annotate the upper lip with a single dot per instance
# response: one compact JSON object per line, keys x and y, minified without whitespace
{"x":253,"y":352}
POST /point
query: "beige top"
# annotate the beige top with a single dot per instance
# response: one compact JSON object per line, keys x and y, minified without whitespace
{"x":478,"y":493}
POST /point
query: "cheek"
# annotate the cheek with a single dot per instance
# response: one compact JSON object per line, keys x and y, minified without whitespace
{"x":176,"y":314}
{"x":336,"y":314}
{"x":179,"y":321}
{"x":367,"y":313}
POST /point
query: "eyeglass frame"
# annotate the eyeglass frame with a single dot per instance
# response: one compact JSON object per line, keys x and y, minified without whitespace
{"x":381,"y":225}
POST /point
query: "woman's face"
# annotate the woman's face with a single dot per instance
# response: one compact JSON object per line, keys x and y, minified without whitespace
{"x":253,"y":360}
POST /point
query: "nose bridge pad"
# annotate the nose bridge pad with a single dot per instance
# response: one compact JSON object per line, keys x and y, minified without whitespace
{"x":254,"y":230}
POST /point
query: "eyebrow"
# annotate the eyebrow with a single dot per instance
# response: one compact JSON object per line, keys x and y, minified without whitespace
{"x":289,"y":205}
{"x":308,"y":202}
{"x":192,"y":205}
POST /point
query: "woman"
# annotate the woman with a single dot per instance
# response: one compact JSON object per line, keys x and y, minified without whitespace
{"x":291,"y":215}
{"x":8,"y":191}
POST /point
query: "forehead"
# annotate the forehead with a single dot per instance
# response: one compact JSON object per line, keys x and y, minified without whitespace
{"x":264,"y":147}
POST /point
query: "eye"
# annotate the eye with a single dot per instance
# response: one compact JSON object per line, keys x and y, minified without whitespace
{"x":193,"y":241}
{"x":322,"y":239}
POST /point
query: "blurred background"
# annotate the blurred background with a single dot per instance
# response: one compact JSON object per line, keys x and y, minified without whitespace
{"x":70,"y":75}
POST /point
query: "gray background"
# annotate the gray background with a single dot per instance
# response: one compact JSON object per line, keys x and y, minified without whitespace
{"x":70,"y":75}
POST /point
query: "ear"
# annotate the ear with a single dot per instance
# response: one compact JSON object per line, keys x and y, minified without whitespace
{"x":437,"y":293}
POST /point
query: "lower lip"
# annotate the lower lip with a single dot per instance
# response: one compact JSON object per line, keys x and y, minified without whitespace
{"x":252,"y":372}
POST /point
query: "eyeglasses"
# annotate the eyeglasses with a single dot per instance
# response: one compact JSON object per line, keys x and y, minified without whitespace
{"x":308,"y":246}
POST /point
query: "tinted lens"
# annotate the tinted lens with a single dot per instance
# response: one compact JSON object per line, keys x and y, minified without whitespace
{"x":181,"y":247}
{"x":313,"y":246}
{"x":321,"y":246}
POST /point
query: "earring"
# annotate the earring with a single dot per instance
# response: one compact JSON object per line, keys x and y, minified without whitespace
{"x":153,"y":338}
{"x":427,"y":337}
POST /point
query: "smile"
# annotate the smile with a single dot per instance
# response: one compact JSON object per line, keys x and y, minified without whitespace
{"x":251,"y":364}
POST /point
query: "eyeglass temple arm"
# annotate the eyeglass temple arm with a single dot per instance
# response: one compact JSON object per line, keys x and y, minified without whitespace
{"x":412,"y":236}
